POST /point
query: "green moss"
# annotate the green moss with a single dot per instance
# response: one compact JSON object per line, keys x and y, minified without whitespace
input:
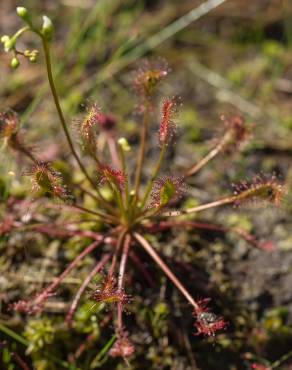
{"x":189,"y":120}
{"x":39,"y":333}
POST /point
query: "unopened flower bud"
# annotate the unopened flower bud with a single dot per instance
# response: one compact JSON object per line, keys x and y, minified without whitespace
{"x":4,"y":38}
{"x":31,"y":55}
{"x":123,"y":143}
{"x":14,"y":63}
{"x":9,"y":43}
{"x":32,"y":59}
{"x":47,"y":28}
{"x":22,"y":13}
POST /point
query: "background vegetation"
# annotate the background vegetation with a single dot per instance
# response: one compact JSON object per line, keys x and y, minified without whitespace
{"x":235,"y":59}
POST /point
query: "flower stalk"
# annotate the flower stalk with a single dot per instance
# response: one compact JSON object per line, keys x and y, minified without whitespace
{"x":141,"y":154}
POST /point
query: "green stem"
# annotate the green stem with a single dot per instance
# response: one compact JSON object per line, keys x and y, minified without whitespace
{"x":202,"y":207}
{"x":25,"y":342}
{"x":220,"y":202}
{"x":118,"y":198}
{"x":20,"y":32}
{"x":279,"y":362}
{"x":155,"y":173}
{"x":13,"y":335}
{"x":63,"y":122}
{"x":212,"y":154}
{"x":120,"y":203}
{"x":85,"y":191}
{"x":59,"y":109}
{"x":94,"y":156}
{"x":124,"y":169}
{"x":104,"y":216}
{"x":141,"y":153}
{"x":18,"y":145}
{"x":98,"y":360}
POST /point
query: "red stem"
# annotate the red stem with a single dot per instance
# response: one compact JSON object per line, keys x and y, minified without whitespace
{"x":164,"y":225}
{"x":71,"y":266}
{"x":119,"y":245}
{"x":82,"y":288}
{"x":123,"y":264}
{"x":55,"y":230}
{"x":151,"y":251}
{"x":20,"y":361}
{"x":113,"y":151}
{"x":138,"y":263}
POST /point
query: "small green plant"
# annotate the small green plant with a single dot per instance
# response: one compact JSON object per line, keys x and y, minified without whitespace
{"x":128,"y":206}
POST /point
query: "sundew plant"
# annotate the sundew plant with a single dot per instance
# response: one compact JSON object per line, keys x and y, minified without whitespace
{"x":129,"y":205}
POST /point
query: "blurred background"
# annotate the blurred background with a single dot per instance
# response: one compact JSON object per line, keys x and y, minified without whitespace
{"x":234,"y":58}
